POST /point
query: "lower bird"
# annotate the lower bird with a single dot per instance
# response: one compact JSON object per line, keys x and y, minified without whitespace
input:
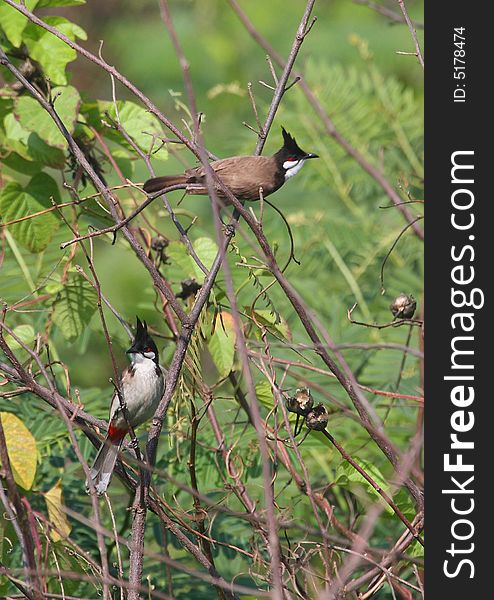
{"x":244,"y":176}
{"x":142,"y":385}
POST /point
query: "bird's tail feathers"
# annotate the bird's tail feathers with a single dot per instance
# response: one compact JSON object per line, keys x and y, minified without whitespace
{"x":159,"y":183}
{"x":103,"y":466}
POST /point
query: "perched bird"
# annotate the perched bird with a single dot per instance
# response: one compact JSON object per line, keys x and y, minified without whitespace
{"x":142,"y":385}
{"x":243,"y":175}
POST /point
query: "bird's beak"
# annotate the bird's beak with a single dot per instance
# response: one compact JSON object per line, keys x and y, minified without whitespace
{"x":310,"y":155}
{"x":131,"y":350}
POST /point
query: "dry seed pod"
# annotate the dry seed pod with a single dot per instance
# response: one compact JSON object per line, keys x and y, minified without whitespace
{"x":317,"y":418}
{"x":301,"y":403}
{"x":304,"y":399}
{"x":159,"y":243}
{"x":190,"y":287}
{"x":403,"y":306}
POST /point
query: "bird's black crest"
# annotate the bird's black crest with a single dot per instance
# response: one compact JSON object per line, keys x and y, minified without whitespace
{"x":142,"y":336}
{"x":141,"y":327}
{"x":290,"y":144}
{"x":142,"y":339}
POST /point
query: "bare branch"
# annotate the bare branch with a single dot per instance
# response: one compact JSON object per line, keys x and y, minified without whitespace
{"x":413,"y":33}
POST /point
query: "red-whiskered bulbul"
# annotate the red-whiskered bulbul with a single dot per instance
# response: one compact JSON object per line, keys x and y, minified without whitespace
{"x":243,"y":175}
{"x":141,"y":385}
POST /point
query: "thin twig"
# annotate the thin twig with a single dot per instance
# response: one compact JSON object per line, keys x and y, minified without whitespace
{"x":388,"y":13}
{"x":383,"y":264}
{"x":412,"y":32}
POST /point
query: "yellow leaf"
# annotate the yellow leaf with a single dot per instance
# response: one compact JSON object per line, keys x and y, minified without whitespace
{"x":56,"y":513}
{"x":21,"y":447}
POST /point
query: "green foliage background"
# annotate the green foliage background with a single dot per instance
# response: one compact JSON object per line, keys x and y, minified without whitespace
{"x":341,"y":237}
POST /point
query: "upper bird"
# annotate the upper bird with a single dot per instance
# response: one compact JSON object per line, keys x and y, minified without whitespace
{"x":242,"y":175}
{"x":142,"y":385}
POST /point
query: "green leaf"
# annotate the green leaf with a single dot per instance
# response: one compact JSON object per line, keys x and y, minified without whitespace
{"x":21,"y":447}
{"x":6,"y":105}
{"x":405,"y":503}
{"x":13,"y":22}
{"x":25,"y":333}
{"x":74,"y":307}
{"x":7,"y":557}
{"x":222,"y":344}
{"x":264,"y":394}
{"x":416,"y":550}
{"x":273,"y":323}
{"x":180,"y":259}
{"x":125,"y":164}
{"x":345,"y":473}
{"x":52,"y":54}
{"x":52,"y":3}
{"x":21,"y":165}
{"x":16,"y":202}
{"x":53,"y":287}
{"x":33,"y":117}
{"x":29,"y":146}
{"x":205,"y":248}
{"x":62,"y":558}
{"x":138,"y":123}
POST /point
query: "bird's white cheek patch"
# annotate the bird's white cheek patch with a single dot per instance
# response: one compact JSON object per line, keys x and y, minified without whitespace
{"x":138,"y":358}
{"x":292,"y":167}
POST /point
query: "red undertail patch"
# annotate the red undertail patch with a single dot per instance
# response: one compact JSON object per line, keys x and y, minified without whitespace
{"x":115,"y":434}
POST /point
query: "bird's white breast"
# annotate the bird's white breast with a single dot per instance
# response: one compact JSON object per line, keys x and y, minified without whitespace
{"x":142,"y":388}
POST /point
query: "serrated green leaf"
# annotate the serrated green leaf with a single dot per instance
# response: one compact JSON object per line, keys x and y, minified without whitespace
{"x":34,"y":118}
{"x":21,"y":447}
{"x":138,"y":123}
{"x":13,"y":22}
{"x":29,"y":146}
{"x":74,"y":307}
{"x":16,"y":202}
{"x":222,"y":344}
{"x":51,"y":53}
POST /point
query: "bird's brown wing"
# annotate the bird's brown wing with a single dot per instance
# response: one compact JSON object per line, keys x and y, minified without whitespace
{"x":197,"y":174}
{"x":243,"y":175}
